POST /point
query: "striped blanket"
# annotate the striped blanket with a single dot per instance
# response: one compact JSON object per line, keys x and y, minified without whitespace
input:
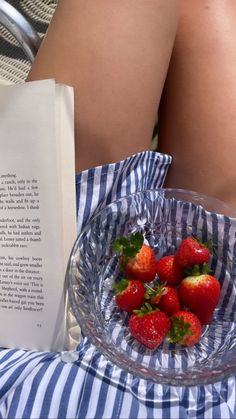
{"x":44,"y":385}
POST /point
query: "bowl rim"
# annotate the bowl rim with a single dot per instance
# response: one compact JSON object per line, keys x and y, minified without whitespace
{"x":228,"y":210}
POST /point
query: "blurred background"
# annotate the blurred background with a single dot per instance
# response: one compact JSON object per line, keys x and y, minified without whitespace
{"x":14,"y":63}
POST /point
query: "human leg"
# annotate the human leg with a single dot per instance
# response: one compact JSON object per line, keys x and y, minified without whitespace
{"x":115,"y":54}
{"x":197,"y":114}
{"x":198,"y":75}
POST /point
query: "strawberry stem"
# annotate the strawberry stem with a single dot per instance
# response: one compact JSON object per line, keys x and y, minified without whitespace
{"x":156,"y":290}
{"x":197,"y":270}
{"x":179,"y":329}
{"x":145,"y":309}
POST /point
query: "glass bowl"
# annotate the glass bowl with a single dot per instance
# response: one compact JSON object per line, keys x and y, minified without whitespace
{"x":164,"y":217}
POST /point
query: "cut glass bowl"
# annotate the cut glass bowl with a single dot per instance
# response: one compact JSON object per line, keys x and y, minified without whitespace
{"x":164,"y":217}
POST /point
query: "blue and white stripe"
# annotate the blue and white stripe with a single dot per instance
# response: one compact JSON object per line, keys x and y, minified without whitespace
{"x":40,"y":385}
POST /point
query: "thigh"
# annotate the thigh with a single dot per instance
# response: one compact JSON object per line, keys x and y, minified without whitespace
{"x":115,"y":54}
{"x":197,"y":113}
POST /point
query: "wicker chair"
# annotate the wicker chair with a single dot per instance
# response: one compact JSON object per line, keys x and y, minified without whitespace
{"x":23,"y":24}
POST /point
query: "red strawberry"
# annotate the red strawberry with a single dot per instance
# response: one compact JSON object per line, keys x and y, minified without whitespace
{"x":149,"y":326}
{"x":168,"y":270}
{"x":185,"y":328}
{"x":137,"y":259}
{"x":169,"y":302}
{"x":129,"y":294}
{"x":192,"y":252}
{"x":200,"y":293}
{"x":165,"y":297}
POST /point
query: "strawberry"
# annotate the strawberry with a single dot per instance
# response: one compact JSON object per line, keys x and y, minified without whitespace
{"x":137,"y":258}
{"x":170,"y":302}
{"x":149,"y":326}
{"x":168,"y":270}
{"x":129,"y":294}
{"x":153,"y":294}
{"x":192,"y":252}
{"x":185,"y":328}
{"x":200,"y":293}
{"x":164,"y":297}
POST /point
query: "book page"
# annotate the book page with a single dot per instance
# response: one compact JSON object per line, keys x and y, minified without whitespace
{"x":33,"y":252}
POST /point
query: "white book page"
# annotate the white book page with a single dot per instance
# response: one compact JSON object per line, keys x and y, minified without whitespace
{"x":32,"y":261}
{"x":65,"y":132}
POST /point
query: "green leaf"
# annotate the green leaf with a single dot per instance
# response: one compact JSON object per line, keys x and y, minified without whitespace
{"x":179,"y":329}
{"x":136,"y":240}
{"x":197,"y":270}
{"x":120,"y":286}
{"x":157,"y":289}
{"x":128,"y":247}
{"x":119,"y":244}
{"x":145,"y":309}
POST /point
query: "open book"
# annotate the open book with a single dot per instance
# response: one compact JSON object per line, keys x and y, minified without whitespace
{"x":37,"y":212}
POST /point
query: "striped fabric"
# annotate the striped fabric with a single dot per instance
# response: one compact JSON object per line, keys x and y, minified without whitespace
{"x":41,"y":385}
